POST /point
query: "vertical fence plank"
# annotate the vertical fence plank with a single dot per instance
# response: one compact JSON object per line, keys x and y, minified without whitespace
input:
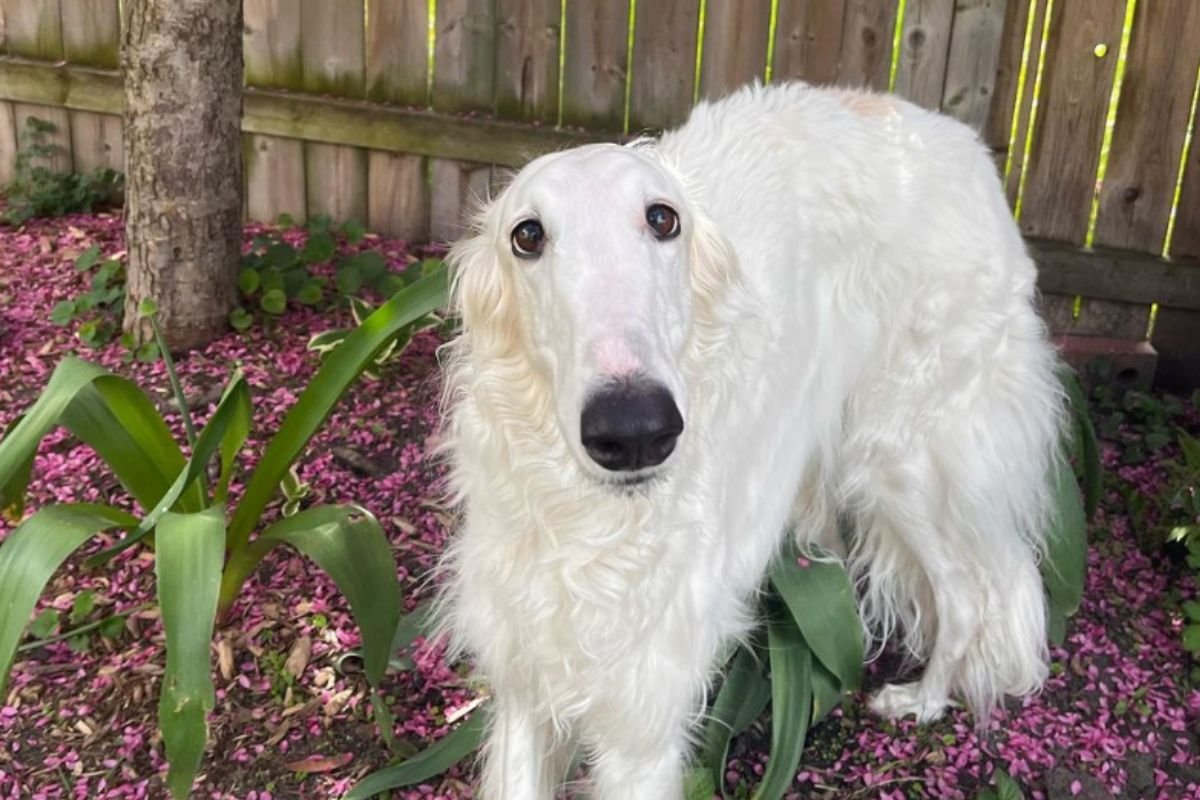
{"x":60,"y":138}
{"x":397,"y":57}
{"x":664,"y":63}
{"x":976,"y":39}
{"x":97,"y":142}
{"x":33,"y":28}
{"x":1186,"y":241}
{"x":808,"y":40}
{"x":1070,"y":124}
{"x":91,"y":31}
{"x":8,"y":143}
{"x":449,"y":201}
{"x":594,"y":75}
{"x":398,"y":195}
{"x":331,"y":51}
{"x":465,"y":56}
{"x":867,"y":43}
{"x":1139,"y":187}
{"x":924,"y":49}
{"x":332,"y":40}
{"x":527,"y":59}
{"x":336,"y":181}
{"x":735,"y":44}
{"x":274,"y":177}
{"x":271,"y":44}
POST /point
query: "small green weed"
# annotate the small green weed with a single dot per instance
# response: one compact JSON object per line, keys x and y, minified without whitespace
{"x":38,"y":190}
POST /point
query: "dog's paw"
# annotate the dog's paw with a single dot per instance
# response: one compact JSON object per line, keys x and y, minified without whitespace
{"x":899,"y":700}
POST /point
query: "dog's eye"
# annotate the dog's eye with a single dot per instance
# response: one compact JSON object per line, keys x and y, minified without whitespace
{"x":528,"y":239}
{"x":663,"y":221}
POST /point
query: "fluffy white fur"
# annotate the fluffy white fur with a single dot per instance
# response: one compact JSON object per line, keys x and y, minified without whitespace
{"x":847,"y":326}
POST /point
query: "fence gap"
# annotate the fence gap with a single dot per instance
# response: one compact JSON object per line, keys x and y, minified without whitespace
{"x":1022,"y":74}
{"x":897,"y":44}
{"x":1033,"y":108}
{"x":431,"y":51}
{"x":1110,"y":121}
{"x":562,"y":59}
{"x":772,"y":29}
{"x":629,"y":64}
{"x":699,"y":51}
{"x":1183,"y":163}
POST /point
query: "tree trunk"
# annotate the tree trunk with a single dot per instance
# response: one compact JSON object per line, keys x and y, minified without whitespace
{"x":182,"y":62}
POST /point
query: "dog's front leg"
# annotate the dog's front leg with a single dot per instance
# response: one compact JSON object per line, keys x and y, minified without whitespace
{"x":523,"y":759}
{"x":624,"y":775}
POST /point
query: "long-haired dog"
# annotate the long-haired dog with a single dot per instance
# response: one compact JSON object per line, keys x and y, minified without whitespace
{"x":803,"y":307}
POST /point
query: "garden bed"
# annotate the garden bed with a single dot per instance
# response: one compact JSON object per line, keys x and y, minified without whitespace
{"x":1119,"y":715}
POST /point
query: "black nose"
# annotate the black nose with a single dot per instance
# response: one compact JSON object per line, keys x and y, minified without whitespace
{"x":630,"y":426}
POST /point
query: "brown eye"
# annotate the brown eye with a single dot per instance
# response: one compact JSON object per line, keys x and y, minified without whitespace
{"x":528,"y":239}
{"x":663,"y":221}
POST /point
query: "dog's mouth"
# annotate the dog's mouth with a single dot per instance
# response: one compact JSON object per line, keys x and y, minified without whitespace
{"x":637,"y":484}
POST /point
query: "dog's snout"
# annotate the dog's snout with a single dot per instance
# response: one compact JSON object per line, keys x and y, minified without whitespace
{"x":630,"y":426}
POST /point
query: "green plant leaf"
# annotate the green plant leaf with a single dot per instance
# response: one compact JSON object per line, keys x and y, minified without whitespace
{"x":327,"y":340}
{"x":698,"y":784}
{"x":354,"y":231}
{"x":348,"y":543}
{"x":31,"y":554}
{"x":1191,"y":450}
{"x":319,"y":247}
{"x":62,"y":313}
{"x":106,"y":412}
{"x":231,"y":412}
{"x":1007,"y":788}
{"x":148,"y":307}
{"x":148,"y":353}
{"x":826,"y":692}
{"x":240,"y":319}
{"x":44,"y":624}
{"x":322,"y":395}
{"x":1065,"y":565}
{"x":430,"y":762}
{"x":249,"y":280}
{"x":310,"y":293}
{"x":273,"y":301}
{"x":240,"y":422}
{"x":821,"y":600}
{"x":791,"y":703}
{"x":1191,"y":638}
{"x":743,"y":695}
{"x":279,"y":256}
{"x":87,"y":259}
{"x":369,"y":264}
{"x":1086,"y":450}
{"x":83,"y":605}
{"x":349,"y":279}
{"x":189,"y":550}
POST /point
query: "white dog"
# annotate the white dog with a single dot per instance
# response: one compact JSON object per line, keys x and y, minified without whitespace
{"x":803,"y":305}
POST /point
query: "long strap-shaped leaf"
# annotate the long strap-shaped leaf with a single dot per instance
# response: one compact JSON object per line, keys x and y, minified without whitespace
{"x":821,"y":601}
{"x":348,"y":543}
{"x":188,"y":555}
{"x":1065,"y":566}
{"x":743,"y":696}
{"x":433,"y":761}
{"x":107,"y":412}
{"x":231,"y":409}
{"x":791,"y":704}
{"x":31,"y":554}
{"x":1086,"y":450}
{"x":326,"y":389}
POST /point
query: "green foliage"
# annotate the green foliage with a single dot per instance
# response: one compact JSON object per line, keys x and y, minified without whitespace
{"x":1005,"y":788}
{"x":202,"y":557}
{"x":99,"y":311}
{"x":276,"y":272}
{"x":37,"y":190}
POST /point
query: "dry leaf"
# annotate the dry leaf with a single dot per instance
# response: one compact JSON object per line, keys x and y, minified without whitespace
{"x":225,"y":658}
{"x":317,"y":763}
{"x":297,"y":660}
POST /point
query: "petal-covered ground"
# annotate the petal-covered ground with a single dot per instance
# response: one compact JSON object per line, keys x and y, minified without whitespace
{"x":1117,"y":718}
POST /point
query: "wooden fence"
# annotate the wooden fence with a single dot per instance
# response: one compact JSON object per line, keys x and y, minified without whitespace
{"x":397,"y":111}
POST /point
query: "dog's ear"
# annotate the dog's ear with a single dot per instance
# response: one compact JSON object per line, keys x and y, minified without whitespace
{"x":482,"y":292}
{"x":714,"y":265}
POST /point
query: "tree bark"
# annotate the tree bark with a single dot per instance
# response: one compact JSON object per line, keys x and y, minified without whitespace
{"x":182,"y":63}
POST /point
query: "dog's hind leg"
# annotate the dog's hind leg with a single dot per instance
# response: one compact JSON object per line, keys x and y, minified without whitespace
{"x":524,"y":758}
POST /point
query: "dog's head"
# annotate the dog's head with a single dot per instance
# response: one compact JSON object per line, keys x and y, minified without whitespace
{"x":595,"y":269}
